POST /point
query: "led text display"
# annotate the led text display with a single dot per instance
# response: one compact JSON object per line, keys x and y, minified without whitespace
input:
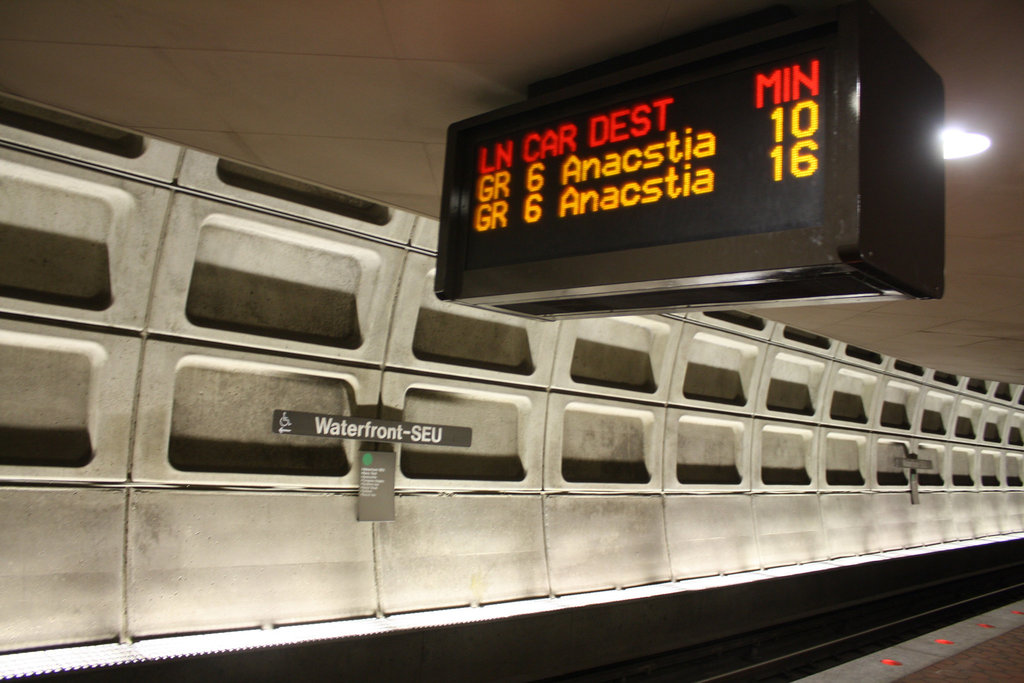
{"x":737,"y":154}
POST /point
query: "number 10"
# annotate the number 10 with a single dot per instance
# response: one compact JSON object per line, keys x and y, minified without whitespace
{"x":803,"y":123}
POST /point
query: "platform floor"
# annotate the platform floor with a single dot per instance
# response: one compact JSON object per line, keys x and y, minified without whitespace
{"x":987,"y":647}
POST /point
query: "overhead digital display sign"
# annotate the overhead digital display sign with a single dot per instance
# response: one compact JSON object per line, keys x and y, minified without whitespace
{"x":737,"y":154}
{"x":746,"y":176}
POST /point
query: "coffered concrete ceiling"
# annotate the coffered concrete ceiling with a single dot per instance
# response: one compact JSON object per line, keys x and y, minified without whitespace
{"x":357,"y":94}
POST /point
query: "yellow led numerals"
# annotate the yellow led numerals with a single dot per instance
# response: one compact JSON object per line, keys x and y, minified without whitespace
{"x":803,"y":123}
{"x":534,"y":183}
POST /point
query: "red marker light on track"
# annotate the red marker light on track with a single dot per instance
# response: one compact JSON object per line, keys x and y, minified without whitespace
{"x":1016,"y":611}
{"x":891,"y":662}
{"x":943,"y":641}
{"x":986,"y":625}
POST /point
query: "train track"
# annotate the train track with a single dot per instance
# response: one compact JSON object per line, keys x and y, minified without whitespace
{"x":798,"y":649}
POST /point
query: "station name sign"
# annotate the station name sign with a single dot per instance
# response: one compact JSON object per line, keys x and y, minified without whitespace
{"x":299,"y":423}
{"x":777,"y":169}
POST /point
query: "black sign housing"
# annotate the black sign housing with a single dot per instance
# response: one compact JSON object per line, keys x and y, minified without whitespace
{"x":800,"y":162}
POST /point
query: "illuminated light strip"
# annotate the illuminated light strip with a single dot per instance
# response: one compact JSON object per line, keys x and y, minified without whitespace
{"x":24,"y":664}
{"x":64,"y":659}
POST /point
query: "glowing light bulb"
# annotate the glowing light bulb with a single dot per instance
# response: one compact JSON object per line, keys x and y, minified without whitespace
{"x":957,"y":143}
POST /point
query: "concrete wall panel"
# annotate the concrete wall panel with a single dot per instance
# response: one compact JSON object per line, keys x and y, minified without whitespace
{"x":1013,"y":510}
{"x":60,"y":567}
{"x":851,"y":397}
{"x":710,"y":534}
{"x":934,"y":519}
{"x":206,"y":417}
{"x":865,"y":358}
{"x":972,"y":517}
{"x":967,"y":424}
{"x":906,"y":369}
{"x":937,"y":413}
{"x":979,"y":387}
{"x":990,"y":468}
{"x":1015,"y":430}
{"x":63,"y":408}
{"x":458,"y":340}
{"x":507,"y":441}
{"x":937,"y":477}
{"x":809,"y":342}
{"x":785,"y":456}
{"x":128,"y":152}
{"x":848,"y":520}
{"x":1013,"y":466}
{"x":892,"y":521}
{"x":903,"y":525}
{"x":741,"y":322}
{"x":448,"y":551}
{"x":597,"y":542}
{"x":886,"y":474}
{"x":201,"y":172}
{"x":629,"y":356}
{"x":603,"y":445}
{"x":76,"y":244}
{"x":995,"y":425}
{"x":843,"y":460}
{"x":1004,"y":392}
{"x":991,"y":516}
{"x":424,"y":233}
{"x":717,"y":371}
{"x":945,"y":380}
{"x":236,"y":276}
{"x":793,"y":385}
{"x":963,"y":468}
{"x":707,"y":452}
{"x":898,"y":406}
{"x":789,"y":529}
{"x":217,"y":560}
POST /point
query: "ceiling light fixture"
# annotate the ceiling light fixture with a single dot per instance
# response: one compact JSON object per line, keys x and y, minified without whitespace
{"x":957,"y":143}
